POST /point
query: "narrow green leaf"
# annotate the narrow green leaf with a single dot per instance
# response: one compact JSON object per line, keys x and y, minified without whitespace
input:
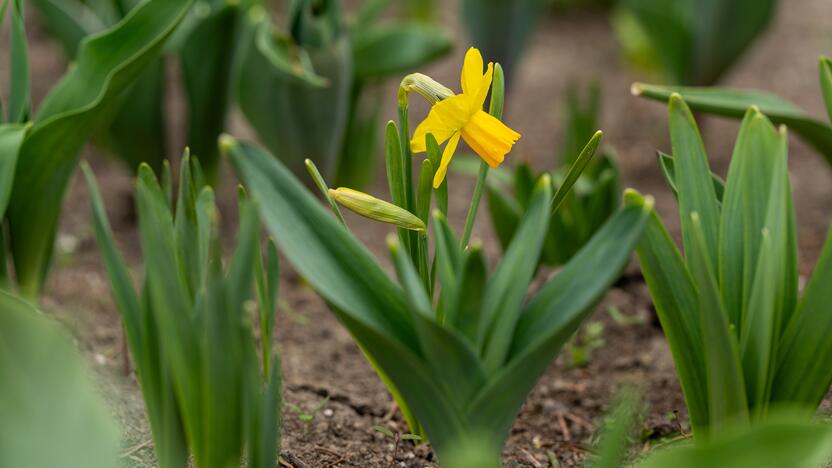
{"x":726,"y":387}
{"x":734,"y":103}
{"x":803,"y":374}
{"x":452,"y":360}
{"x":669,"y":172}
{"x":826,"y":84}
{"x":745,"y":204}
{"x":11,"y":138}
{"x":332,"y":260}
{"x":693,"y":180}
{"x":577,"y":169}
{"x":207,"y":55}
{"x":464,"y":315}
{"x":674,"y":297}
{"x":319,"y":181}
{"x":505,"y":215}
{"x":20,"y":99}
{"x":434,"y":154}
{"x":553,"y":316}
{"x":506,"y":289}
{"x":425,"y":189}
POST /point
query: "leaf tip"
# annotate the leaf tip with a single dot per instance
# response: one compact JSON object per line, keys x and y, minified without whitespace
{"x":636,"y":89}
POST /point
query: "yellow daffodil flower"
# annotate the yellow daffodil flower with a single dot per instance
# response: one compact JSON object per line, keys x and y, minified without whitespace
{"x":461,"y":115}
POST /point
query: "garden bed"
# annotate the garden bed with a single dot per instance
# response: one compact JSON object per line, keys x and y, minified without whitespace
{"x":319,"y":358}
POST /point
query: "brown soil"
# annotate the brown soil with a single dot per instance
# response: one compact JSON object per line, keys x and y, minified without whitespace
{"x":319,"y":358}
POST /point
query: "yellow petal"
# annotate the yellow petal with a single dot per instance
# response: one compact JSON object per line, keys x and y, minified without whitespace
{"x":489,"y":138}
{"x":471,"y":72}
{"x":450,"y":148}
{"x":478,"y":100}
{"x":445,"y":118}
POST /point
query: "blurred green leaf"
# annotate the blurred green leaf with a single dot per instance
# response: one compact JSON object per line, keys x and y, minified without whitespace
{"x":107,"y":64}
{"x":734,"y":103}
{"x":47,"y":396}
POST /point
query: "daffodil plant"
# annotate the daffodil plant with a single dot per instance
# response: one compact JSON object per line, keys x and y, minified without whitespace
{"x":743,"y":336}
{"x":38,"y":158}
{"x":459,"y":346}
{"x":728,"y":102}
{"x":690,"y":42}
{"x":595,"y":197}
{"x":209,"y":391}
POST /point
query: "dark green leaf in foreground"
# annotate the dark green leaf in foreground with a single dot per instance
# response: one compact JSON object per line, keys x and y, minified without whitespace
{"x":51,"y":413}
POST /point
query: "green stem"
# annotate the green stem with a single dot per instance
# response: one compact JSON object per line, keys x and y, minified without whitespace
{"x":475,"y":205}
{"x":407,"y":168}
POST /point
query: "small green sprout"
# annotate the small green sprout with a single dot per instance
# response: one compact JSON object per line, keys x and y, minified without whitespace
{"x":585,"y":341}
{"x":397,"y":437}
{"x":307,"y":416}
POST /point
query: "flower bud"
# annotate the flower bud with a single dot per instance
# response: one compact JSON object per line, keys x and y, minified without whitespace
{"x":376,"y":209}
{"x":424,"y":86}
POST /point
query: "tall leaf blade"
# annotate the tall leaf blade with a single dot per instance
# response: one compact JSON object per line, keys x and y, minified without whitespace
{"x":803,"y":374}
{"x":674,"y":297}
{"x":744,"y":207}
{"x":553,"y":316}
{"x":733,"y":103}
{"x":693,"y":180}
{"x":506,"y":289}
{"x":726,"y":387}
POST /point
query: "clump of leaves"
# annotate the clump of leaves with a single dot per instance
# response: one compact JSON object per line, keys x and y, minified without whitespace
{"x":594,"y":198}
{"x":39,"y":159}
{"x":733,"y":103}
{"x":691,"y":42}
{"x":742,"y":336}
{"x":313,"y":90}
{"x":206,"y":390}
{"x":459,"y":346}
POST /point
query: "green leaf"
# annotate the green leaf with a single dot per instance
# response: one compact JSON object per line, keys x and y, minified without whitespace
{"x":674,"y":297}
{"x":20,"y":99}
{"x":501,"y":29}
{"x":207,"y":55}
{"x":726,"y":388}
{"x":69,"y":21}
{"x":693,"y":180}
{"x":47,"y":396}
{"x":826,"y":84}
{"x":744,"y":207}
{"x":553,"y":316}
{"x":450,"y":357}
{"x":11,"y":137}
{"x":782,"y":440}
{"x":107,"y":64}
{"x":734,"y":103}
{"x":669,"y":172}
{"x":137,"y":132}
{"x":803,"y":375}
{"x":506,"y":289}
{"x":577,"y":169}
{"x":435,"y":156}
{"x":296,"y":99}
{"x":396,"y":49}
{"x":464,"y":314}
{"x":505,"y":215}
{"x":333,"y":261}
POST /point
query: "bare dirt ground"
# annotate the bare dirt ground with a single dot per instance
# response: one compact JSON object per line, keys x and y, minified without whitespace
{"x":319,"y":358}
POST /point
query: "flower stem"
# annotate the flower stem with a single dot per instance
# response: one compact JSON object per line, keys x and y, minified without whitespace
{"x":475,"y":205}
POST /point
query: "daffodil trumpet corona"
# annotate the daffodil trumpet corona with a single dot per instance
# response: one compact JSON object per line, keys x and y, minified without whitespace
{"x":461,"y":116}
